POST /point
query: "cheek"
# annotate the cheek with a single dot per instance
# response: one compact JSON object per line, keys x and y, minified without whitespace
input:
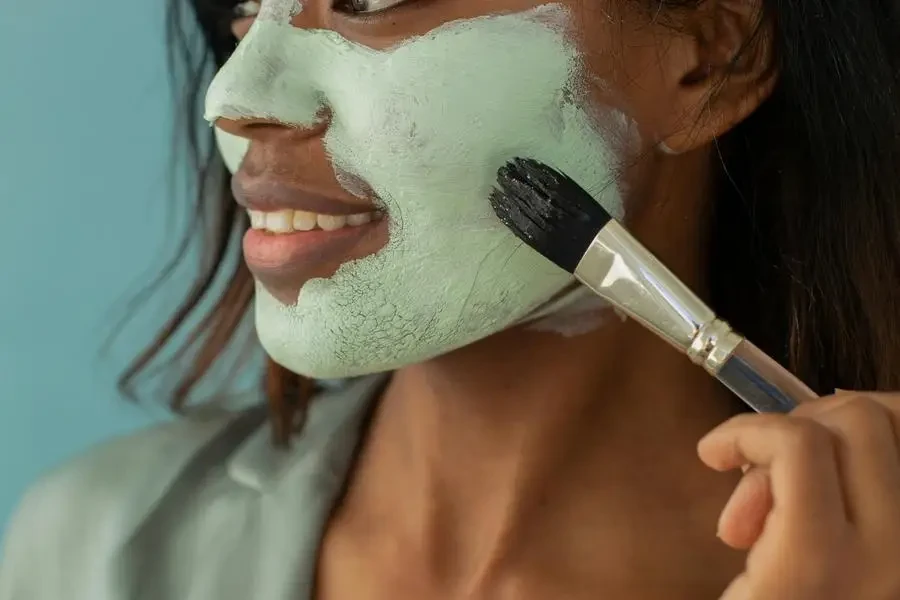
{"x":427,"y":125}
{"x":626,"y":54}
{"x":438,"y":114}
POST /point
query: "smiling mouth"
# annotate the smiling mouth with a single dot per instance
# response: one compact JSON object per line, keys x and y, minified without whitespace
{"x":283,"y":261}
{"x":285,"y":221}
{"x":296,"y":235}
{"x":289,"y":256}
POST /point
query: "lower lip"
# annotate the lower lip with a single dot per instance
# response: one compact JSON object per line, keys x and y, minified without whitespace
{"x":285,"y":253}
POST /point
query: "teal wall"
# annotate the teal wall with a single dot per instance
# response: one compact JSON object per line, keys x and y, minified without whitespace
{"x":84,"y":135}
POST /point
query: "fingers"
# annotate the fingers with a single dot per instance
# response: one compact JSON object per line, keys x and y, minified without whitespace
{"x":744,"y":516}
{"x":801,"y":458}
{"x":833,"y":498}
{"x":868,"y":452}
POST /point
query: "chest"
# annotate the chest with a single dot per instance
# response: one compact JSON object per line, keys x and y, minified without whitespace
{"x":349,"y":569}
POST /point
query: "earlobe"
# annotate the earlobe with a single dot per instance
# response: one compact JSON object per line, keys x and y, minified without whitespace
{"x":730,"y":77}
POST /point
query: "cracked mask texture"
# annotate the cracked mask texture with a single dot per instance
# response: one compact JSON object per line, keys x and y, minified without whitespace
{"x":427,"y":124}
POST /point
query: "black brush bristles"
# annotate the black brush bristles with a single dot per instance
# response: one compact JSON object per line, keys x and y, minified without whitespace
{"x":547,"y":210}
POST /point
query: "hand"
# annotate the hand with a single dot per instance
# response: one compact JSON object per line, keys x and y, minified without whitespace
{"x":819,"y":505}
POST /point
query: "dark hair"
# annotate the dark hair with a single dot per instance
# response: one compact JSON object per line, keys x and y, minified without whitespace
{"x":806,"y":216}
{"x":806,"y":225}
{"x":212,"y":315}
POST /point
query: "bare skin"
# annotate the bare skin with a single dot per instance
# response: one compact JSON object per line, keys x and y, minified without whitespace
{"x":534,"y":466}
{"x":530,"y":465}
{"x":577,"y":480}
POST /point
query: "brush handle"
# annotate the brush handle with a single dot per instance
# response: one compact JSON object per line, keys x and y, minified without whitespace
{"x":618,"y":268}
{"x":763,"y":384}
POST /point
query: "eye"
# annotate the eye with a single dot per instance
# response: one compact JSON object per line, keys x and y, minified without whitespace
{"x":366,"y":7}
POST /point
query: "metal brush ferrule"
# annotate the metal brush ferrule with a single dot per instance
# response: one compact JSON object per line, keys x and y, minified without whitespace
{"x":621,"y":270}
{"x":713,"y":345}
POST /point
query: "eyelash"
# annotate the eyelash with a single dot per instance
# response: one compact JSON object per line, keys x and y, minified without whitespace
{"x":348,"y":6}
{"x":352,"y":7}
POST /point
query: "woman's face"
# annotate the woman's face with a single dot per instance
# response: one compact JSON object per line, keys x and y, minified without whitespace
{"x":382,"y":131}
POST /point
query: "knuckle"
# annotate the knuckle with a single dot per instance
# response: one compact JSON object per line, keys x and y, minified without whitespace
{"x":814,"y":407}
{"x":806,"y":438}
{"x":863,"y":413}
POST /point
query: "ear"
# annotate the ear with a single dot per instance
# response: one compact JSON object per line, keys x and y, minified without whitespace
{"x":725,"y":73}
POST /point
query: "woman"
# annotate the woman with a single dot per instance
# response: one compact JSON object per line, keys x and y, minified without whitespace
{"x":526,"y":442}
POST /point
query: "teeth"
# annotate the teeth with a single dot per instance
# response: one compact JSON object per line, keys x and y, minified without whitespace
{"x":281,"y":221}
{"x":331,"y":222}
{"x":360,"y":219}
{"x":304,"y":221}
{"x":288,"y":221}
{"x":257,"y":219}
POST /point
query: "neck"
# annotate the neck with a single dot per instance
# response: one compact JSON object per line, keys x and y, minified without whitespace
{"x":515,"y":453}
{"x":565,"y":459}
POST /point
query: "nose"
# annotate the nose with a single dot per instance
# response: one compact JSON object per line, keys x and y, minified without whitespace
{"x":254,"y":96}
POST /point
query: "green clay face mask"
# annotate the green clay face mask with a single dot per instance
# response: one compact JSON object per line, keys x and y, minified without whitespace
{"x":426,"y":124}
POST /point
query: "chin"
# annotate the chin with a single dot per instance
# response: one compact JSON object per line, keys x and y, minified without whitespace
{"x":324,"y":354}
{"x":330,"y":350}
{"x":343,"y":328}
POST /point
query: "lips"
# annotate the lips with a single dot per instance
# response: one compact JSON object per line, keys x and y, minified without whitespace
{"x":291,"y":259}
{"x":283,"y":257}
{"x":269,"y":195}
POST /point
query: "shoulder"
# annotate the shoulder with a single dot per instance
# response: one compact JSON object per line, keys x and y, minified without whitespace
{"x":131,"y":467}
{"x":124,"y":519}
{"x":80,"y":511}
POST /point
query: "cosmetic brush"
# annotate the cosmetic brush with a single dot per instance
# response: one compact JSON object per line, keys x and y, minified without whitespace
{"x":555,"y":216}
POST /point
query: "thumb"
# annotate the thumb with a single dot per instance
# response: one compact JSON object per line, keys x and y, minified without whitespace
{"x":744,"y":516}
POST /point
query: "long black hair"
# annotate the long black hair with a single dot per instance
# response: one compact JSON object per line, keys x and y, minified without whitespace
{"x":806,"y":213}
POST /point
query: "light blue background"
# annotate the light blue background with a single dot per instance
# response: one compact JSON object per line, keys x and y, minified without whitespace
{"x":84,"y":140}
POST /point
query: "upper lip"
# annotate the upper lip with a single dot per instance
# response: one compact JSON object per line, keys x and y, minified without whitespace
{"x":269,"y":195}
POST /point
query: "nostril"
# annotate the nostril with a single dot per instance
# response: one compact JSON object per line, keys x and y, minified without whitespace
{"x":246,"y":127}
{"x":261,"y":128}
{"x":228,"y":126}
